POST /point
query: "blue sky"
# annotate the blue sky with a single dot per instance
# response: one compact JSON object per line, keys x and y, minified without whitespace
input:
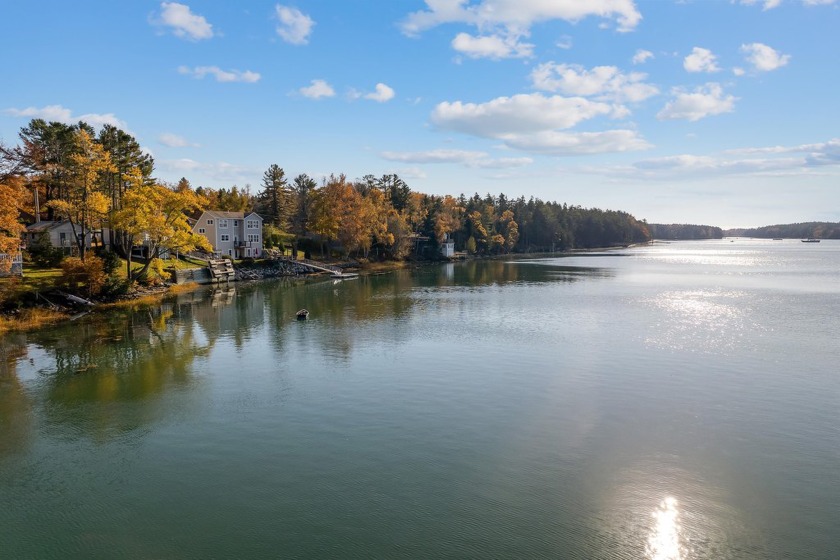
{"x":715,"y":112}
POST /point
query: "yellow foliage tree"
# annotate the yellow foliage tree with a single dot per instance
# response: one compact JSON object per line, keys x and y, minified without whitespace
{"x":447,"y":218}
{"x":83,"y":203}
{"x":11,"y":195}
{"x":156,"y":216}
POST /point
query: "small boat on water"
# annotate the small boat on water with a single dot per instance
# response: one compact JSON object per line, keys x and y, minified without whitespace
{"x":302,"y":315}
{"x":810,"y":240}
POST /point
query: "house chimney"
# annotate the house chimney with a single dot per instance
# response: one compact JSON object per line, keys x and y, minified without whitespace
{"x":37,"y":205}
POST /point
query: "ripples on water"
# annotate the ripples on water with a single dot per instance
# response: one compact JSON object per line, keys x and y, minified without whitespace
{"x":676,"y":401}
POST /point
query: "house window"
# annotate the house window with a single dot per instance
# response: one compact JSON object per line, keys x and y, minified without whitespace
{"x":225,"y":237}
{"x":201,"y":230}
{"x":209,"y":222}
{"x":253,"y":224}
{"x":223,"y":223}
{"x":235,"y":223}
{"x":247,"y":252}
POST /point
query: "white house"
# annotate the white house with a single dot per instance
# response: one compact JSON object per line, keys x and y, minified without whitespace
{"x":232,"y":233}
{"x":447,"y":248}
{"x":60,"y":234}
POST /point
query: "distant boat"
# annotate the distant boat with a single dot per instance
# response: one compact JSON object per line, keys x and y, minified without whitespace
{"x":810,"y":240}
{"x":302,"y":315}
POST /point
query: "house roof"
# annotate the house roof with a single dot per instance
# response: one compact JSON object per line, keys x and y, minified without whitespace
{"x":225,"y":215}
{"x":43,"y":226}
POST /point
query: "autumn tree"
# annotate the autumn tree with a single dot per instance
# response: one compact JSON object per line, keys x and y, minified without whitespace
{"x":509,"y":230}
{"x":47,"y":148}
{"x":447,"y":218}
{"x":157,"y":216}
{"x":126,"y":157}
{"x":11,"y":196}
{"x":83,"y":203}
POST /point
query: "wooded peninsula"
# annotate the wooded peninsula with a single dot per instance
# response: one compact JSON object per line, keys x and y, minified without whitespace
{"x":103,"y":182}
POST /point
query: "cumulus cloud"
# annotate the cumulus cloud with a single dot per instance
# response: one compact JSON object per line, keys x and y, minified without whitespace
{"x":61,"y":114}
{"x":519,"y":15}
{"x":183,"y":23}
{"x":463,"y":157}
{"x":294,"y":26}
{"x":518,"y":114}
{"x":200,"y":72}
{"x":703,"y":102}
{"x":602,"y":82}
{"x":491,"y":46}
{"x":642,"y":56}
{"x":381,"y":94}
{"x":764,"y":58}
{"x":701,"y":60}
{"x":317,"y":90}
{"x":174,"y":140}
{"x":537,"y":123}
{"x":561,"y":143}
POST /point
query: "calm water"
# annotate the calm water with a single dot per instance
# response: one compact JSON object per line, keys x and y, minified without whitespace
{"x":678,"y":401}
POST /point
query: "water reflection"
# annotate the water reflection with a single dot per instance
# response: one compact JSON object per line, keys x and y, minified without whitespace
{"x":664,"y":541}
{"x":98,"y":378}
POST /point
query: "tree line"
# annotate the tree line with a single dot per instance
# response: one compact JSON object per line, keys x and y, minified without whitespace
{"x":818,"y":230}
{"x":672,"y":232}
{"x":105,"y":180}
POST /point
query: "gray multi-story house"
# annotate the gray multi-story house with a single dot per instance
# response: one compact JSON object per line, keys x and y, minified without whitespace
{"x":232,"y":234}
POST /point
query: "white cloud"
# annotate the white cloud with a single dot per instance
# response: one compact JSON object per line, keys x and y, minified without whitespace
{"x":61,"y":114}
{"x":764,"y":58}
{"x":183,"y":22}
{"x":766,"y":4}
{"x":819,"y":154}
{"x":294,"y":26}
{"x":738,"y":71}
{"x":382,"y":94}
{"x":818,"y":2}
{"x":463,"y":157}
{"x":533,"y":123}
{"x":557,"y":143}
{"x":701,"y":60}
{"x":435,"y":156}
{"x":317,"y":90}
{"x":703,"y":102}
{"x":492,"y":46}
{"x":642,"y":56}
{"x":174,"y":141}
{"x":564,"y":42}
{"x":517,"y":16}
{"x":603,"y":82}
{"x":221,"y":75}
{"x":518,"y":114}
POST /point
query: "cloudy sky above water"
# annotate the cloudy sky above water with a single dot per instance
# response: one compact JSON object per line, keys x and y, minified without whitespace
{"x":707,"y":111}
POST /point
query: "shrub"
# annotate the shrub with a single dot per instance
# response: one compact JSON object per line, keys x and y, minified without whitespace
{"x":113,"y":287}
{"x":80,"y":276}
{"x":110,"y":260}
{"x":43,"y":254}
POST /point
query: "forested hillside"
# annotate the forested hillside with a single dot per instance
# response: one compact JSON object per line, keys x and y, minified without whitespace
{"x":684,"y":231}
{"x":819,"y":230}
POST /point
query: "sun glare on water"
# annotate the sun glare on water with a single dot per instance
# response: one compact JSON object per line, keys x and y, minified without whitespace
{"x":663,"y":542}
